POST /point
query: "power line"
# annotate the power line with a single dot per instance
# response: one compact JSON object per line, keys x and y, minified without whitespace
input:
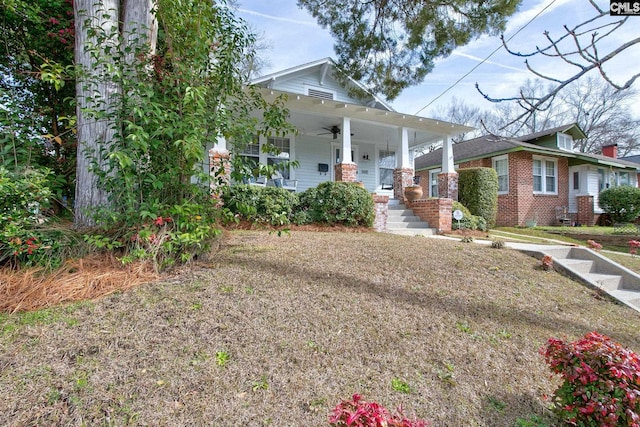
{"x":485,"y":59}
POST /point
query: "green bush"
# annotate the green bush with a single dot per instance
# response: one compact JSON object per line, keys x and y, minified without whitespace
{"x":22,"y":196}
{"x":621,"y":203}
{"x":269,"y":205}
{"x":468,"y":221}
{"x":337,"y":203}
{"x":478,"y":191}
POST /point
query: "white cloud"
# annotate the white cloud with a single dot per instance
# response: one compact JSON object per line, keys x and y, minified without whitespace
{"x":278,"y":18}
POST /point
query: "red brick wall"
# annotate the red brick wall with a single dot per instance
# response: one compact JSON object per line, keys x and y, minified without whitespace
{"x":520,"y":204}
{"x":585,"y":210}
{"x":402,"y":177}
{"x":346,"y":172}
{"x":448,"y":185}
{"x":436,"y":212}
{"x":382,"y":212}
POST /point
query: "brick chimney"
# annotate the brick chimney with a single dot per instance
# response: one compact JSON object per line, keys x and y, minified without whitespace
{"x":610,"y":151}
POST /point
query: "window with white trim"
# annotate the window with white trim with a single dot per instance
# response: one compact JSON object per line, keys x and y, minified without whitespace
{"x":433,"y":183}
{"x":283,"y":146}
{"x":501,"y":165}
{"x":545,"y":175}
{"x":251,"y":153}
{"x":623,"y":178}
{"x":386,"y":165}
{"x":565,"y":142}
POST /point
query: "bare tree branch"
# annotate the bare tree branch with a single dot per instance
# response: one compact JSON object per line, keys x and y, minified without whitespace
{"x":585,"y":56}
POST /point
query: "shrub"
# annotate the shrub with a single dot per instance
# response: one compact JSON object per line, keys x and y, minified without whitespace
{"x":594,"y":245}
{"x":23,"y":196}
{"x":478,"y":191}
{"x":338,"y":203}
{"x":601,"y":381}
{"x":359,"y":413}
{"x":269,"y":205}
{"x":468,"y":221}
{"x":621,"y":203}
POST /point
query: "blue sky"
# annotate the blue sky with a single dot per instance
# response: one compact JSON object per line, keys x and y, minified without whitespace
{"x":295,"y":38}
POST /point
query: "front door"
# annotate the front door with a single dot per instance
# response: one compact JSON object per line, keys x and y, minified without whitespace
{"x":386,"y":165}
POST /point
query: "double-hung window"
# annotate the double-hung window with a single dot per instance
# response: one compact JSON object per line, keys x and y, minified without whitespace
{"x":545,"y":175}
{"x":283,"y":147}
{"x":565,"y":142}
{"x":501,"y":165}
{"x":433,"y":183}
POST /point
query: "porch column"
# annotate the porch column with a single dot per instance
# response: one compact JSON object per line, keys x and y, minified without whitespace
{"x":346,"y":170}
{"x":403,"y":174}
{"x":585,"y":210}
{"x":448,"y":178}
{"x":219,"y":165}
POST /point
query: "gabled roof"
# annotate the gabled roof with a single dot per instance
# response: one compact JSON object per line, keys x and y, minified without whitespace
{"x":633,"y":159}
{"x":571,"y":129}
{"x":491,"y":146}
{"x":322,"y":66}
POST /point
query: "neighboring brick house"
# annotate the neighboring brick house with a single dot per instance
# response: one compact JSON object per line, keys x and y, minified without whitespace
{"x":540,"y":177}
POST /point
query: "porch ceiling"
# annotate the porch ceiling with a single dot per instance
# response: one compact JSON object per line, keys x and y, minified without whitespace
{"x":368,"y":124}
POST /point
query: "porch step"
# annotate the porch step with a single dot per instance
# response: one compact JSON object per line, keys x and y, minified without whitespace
{"x":402,"y":221}
{"x":600,"y":272}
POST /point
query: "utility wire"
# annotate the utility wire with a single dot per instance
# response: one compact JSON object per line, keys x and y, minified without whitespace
{"x":485,"y":59}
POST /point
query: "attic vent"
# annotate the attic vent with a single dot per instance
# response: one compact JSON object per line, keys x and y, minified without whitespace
{"x":320,"y":94}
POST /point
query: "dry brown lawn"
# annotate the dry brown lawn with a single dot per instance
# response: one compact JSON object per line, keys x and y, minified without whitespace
{"x":276,"y":330}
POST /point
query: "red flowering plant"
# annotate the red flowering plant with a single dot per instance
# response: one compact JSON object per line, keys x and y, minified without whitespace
{"x":594,"y":245}
{"x":360,"y":413}
{"x":601,"y":384}
{"x":547,"y":262}
{"x":633,"y":246}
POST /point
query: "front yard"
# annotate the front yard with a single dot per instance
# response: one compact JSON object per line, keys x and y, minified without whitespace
{"x":276,"y":330}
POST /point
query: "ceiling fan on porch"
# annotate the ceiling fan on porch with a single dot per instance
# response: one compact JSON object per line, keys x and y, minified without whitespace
{"x":334,"y":130}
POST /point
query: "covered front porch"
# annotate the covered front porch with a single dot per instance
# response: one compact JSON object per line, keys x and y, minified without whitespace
{"x":337,"y":141}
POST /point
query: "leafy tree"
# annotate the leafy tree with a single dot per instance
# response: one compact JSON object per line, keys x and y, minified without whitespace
{"x":36,"y":114}
{"x":390,"y":45}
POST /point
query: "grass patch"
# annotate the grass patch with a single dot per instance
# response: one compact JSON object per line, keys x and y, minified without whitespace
{"x":328,"y":315}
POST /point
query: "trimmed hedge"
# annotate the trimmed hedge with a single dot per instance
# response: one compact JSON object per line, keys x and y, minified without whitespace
{"x":336,"y":203}
{"x":621,"y":203}
{"x":478,"y":191}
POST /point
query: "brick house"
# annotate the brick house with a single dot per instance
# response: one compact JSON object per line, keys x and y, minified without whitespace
{"x":540,"y":177}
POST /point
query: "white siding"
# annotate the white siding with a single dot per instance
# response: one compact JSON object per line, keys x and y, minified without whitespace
{"x":593,"y":189}
{"x":312,"y":150}
{"x":309,"y":152}
{"x":573,"y":202}
{"x":367,"y":169}
{"x":297,"y":84}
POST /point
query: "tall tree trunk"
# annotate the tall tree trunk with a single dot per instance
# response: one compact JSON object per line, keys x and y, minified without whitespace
{"x":95,"y":136}
{"x":139,"y":25}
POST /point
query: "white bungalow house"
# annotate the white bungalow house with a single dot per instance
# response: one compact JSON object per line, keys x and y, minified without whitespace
{"x":342,"y":138}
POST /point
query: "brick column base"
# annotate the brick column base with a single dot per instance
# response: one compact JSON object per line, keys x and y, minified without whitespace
{"x":382,"y":212}
{"x":448,"y":185}
{"x":219,"y":169}
{"x":346,"y":172}
{"x":436,"y":212}
{"x":402,"y":178}
{"x":585,"y":210}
